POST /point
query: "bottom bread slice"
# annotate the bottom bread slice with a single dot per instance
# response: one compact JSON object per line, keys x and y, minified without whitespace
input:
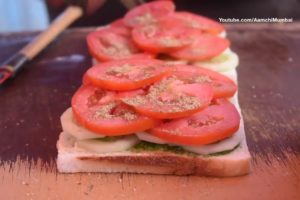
{"x":72,"y":159}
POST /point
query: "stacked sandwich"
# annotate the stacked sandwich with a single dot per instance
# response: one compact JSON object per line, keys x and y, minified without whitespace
{"x":161,"y":99}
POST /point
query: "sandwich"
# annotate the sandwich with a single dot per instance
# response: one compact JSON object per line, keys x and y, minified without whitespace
{"x":161,"y":98}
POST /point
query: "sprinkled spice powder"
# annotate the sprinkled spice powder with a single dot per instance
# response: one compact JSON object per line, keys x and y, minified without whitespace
{"x":149,"y":31}
{"x":147,"y":18}
{"x":170,"y":41}
{"x":119,"y":49}
{"x":198,"y":51}
{"x":210,"y":120}
{"x":114,"y":111}
{"x":174,"y":131}
{"x":93,"y":99}
{"x":202,"y":79}
{"x":194,"y":24}
{"x":129,"y":116}
{"x":128,"y":71}
{"x":104,"y":111}
{"x":135,"y":101}
{"x":178,"y":104}
{"x":159,"y":95}
{"x":119,"y":71}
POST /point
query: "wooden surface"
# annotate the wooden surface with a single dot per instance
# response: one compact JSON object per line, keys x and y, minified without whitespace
{"x":269,"y":92}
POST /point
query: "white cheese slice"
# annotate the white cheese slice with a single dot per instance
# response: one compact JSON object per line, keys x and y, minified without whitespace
{"x":227,"y":60}
{"x":69,"y":125}
{"x":98,"y":146}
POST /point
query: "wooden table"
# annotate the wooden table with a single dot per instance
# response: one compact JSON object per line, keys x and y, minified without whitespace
{"x":269,"y":92}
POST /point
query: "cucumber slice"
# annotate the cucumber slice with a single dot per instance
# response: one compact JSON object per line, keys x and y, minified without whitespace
{"x":226,"y":61}
{"x":70,"y":126}
{"x":221,"y":146}
{"x":150,"y":138}
{"x":232,"y":74}
{"x":223,"y":34}
{"x":122,"y":143}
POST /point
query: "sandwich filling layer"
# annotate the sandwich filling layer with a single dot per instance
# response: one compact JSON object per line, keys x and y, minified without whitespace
{"x":142,"y":141}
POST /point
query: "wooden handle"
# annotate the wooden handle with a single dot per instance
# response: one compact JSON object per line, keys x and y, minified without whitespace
{"x":129,"y":4}
{"x":61,"y":23}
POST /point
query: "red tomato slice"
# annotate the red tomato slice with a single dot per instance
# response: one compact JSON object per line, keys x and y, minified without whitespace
{"x":85,"y":80}
{"x":148,"y":13}
{"x":218,"y":121}
{"x":205,"y":47}
{"x":127,"y":74}
{"x":100,"y":112}
{"x":171,"y":98}
{"x":130,"y":93}
{"x":113,"y":44}
{"x":120,"y":28}
{"x":163,"y":37}
{"x":223,"y":87}
{"x":196,"y":21}
{"x":118,"y":23}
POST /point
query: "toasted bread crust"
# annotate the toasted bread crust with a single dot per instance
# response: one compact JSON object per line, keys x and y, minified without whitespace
{"x":178,"y":164}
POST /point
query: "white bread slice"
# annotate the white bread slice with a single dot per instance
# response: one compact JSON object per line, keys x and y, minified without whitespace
{"x":72,"y":159}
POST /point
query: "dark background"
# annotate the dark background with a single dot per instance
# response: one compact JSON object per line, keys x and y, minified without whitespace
{"x":114,"y":9}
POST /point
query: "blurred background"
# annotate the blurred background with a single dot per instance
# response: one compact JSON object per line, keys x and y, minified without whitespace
{"x":30,"y":15}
